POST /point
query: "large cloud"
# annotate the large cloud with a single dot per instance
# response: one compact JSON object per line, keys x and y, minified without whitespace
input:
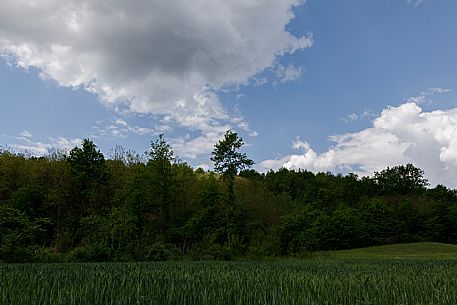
{"x":399,"y":135}
{"x":164,"y":57}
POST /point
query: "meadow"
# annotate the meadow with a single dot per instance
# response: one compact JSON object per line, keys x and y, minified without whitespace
{"x":323,"y":280}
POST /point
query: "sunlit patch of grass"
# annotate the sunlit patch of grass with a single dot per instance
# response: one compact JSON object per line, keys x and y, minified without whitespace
{"x":414,"y":250}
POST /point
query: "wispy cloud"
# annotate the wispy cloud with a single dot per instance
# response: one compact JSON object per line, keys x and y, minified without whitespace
{"x":415,"y":3}
{"x":288,"y":73}
{"x":426,"y":97}
{"x":26,"y":134}
{"x":26,"y":143}
{"x":366,"y":114}
{"x":119,"y":128}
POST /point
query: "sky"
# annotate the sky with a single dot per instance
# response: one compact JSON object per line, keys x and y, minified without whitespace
{"x":323,"y":85}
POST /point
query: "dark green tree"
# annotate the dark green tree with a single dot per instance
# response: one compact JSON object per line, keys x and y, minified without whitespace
{"x":88,"y":194}
{"x":90,"y":173}
{"x":402,"y":179}
{"x":18,"y":235}
{"x":228,"y":161}
{"x":161,"y":152}
{"x":160,"y":160}
{"x":87,"y":163}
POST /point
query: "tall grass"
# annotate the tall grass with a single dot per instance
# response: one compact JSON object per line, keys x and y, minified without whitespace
{"x":318,"y":281}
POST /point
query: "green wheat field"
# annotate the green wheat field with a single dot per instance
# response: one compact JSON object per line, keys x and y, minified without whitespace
{"x":335,"y":278}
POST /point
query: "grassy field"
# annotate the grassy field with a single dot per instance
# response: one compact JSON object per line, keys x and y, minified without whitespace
{"x":332,"y":280}
{"x":415,"y":250}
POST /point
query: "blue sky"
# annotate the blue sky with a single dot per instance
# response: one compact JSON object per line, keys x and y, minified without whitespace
{"x":341,"y":86}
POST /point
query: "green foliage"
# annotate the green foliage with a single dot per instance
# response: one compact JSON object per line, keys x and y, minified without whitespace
{"x":90,"y":176}
{"x":48,"y":255}
{"x":87,"y":163}
{"x":161,"y":151}
{"x":89,"y":253}
{"x":18,"y":235}
{"x":82,"y":207}
{"x":402,"y":179}
{"x":30,"y":199}
{"x":161,"y":156}
{"x":228,"y":161}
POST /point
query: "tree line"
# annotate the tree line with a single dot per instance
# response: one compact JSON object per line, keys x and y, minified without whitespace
{"x":81,"y":206}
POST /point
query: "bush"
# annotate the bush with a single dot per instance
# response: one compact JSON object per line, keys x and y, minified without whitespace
{"x":89,"y":253}
{"x":47,"y":255}
{"x":12,"y":252}
{"x":158,"y":252}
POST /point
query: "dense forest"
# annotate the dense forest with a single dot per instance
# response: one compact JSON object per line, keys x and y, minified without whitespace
{"x":81,"y":206}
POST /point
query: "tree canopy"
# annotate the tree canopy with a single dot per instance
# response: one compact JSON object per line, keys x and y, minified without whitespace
{"x":84,"y":207}
{"x":228,"y":161}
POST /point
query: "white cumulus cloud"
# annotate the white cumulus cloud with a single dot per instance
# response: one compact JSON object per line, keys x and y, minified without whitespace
{"x":165,"y":57}
{"x":399,"y":135}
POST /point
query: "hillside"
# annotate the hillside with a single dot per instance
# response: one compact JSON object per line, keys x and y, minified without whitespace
{"x":412,"y":250}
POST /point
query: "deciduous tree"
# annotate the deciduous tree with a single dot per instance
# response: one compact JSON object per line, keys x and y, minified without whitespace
{"x":228,"y":161}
